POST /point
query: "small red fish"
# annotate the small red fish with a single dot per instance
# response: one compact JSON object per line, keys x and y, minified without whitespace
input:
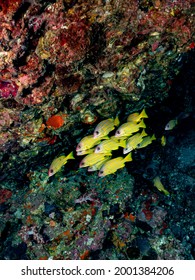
{"x":55,"y":121}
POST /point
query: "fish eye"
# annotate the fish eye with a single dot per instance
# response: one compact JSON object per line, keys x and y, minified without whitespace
{"x":96,"y":132}
{"x":82,"y":163}
{"x":51,"y":170}
{"x":98,"y":148}
{"x":118,"y":132}
{"x":101,"y":171}
{"x":79,"y":146}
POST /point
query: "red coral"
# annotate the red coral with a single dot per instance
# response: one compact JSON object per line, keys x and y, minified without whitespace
{"x":36,"y":22}
{"x":9,"y":6}
{"x":74,"y":41}
{"x":8,"y":89}
{"x":38,"y":94}
{"x":70,"y":39}
{"x":5,"y":195}
{"x":148,"y":214}
{"x":71,"y":83}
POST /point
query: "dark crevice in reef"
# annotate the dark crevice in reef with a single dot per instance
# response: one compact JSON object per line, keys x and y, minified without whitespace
{"x":21,"y":11}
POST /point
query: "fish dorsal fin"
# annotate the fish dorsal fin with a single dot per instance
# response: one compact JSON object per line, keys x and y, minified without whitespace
{"x":142,"y":124}
{"x":143,"y":133}
{"x":70,"y":156}
{"x":143,"y":114}
{"x":153,"y":137}
{"x":128,"y":157}
{"x":116,"y":121}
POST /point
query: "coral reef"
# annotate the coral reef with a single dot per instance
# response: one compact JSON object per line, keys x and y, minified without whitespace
{"x":64,"y":67}
{"x":80,"y":57}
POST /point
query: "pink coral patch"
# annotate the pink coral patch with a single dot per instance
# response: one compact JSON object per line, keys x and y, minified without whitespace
{"x":8,"y":89}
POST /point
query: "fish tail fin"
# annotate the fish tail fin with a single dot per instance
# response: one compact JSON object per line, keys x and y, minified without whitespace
{"x":116,"y":121}
{"x":143,"y":133}
{"x":163,"y":140}
{"x":143,"y":114}
{"x":142,"y":124}
{"x":182,"y":116}
{"x":166,"y":192}
{"x":153,"y":137}
{"x":70,"y":156}
{"x":122,"y":143}
{"x":128,"y":158}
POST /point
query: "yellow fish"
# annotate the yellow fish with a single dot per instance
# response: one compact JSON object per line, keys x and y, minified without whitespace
{"x":159,"y":185}
{"x":171,"y":124}
{"x":85,"y":152}
{"x":88,"y":142}
{"x":163,"y":140}
{"x":136,"y":117}
{"x":146,"y":141}
{"x":128,"y":128}
{"x":133,"y":141}
{"x":109,"y":145}
{"x":92,"y":159}
{"x":104,"y":127}
{"x":111,"y":166}
{"x":58,"y":163}
{"x":98,"y":165}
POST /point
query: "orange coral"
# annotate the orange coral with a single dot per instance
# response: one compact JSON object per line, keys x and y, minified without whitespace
{"x":9,"y":6}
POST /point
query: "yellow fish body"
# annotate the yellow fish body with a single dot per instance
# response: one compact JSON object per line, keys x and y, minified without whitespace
{"x":133,"y":141}
{"x":109,"y":145}
{"x":163,"y":140}
{"x":171,"y":124}
{"x":98,"y":165}
{"x":127,"y":129}
{"x":136,"y":117}
{"x":87,"y":143}
{"x":104,"y":127}
{"x":159,"y":185}
{"x":112,"y":165}
{"x":85,"y":152}
{"x":57,"y":163}
{"x":92,"y":159}
{"x":146,"y":141}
